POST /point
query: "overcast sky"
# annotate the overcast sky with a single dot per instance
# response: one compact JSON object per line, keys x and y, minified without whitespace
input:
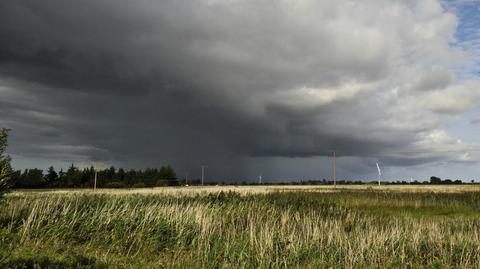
{"x":246,"y":87}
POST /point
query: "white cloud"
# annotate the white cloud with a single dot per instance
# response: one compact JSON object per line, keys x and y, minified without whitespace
{"x":455,"y":99}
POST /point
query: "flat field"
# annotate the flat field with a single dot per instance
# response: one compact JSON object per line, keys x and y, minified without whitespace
{"x":243,"y":227}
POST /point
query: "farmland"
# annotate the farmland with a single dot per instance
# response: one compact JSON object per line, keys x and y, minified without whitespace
{"x":243,"y":227}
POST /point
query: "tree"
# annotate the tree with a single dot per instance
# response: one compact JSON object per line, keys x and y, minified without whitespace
{"x":131,"y":177}
{"x":5,"y":168}
{"x":73,"y":177}
{"x":51,"y":177}
{"x":168,"y":175}
{"x":435,"y":180}
{"x":110,"y":173}
{"x":31,"y":178}
{"x":61,"y":178}
{"x":121,"y":175}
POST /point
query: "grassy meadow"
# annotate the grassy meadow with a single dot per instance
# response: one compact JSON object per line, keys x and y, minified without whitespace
{"x":243,"y":227}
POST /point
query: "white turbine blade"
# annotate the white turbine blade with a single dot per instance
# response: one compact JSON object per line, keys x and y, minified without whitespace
{"x":379,"y":171}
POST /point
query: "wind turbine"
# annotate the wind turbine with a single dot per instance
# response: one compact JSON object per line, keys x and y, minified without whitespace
{"x":260,"y":179}
{"x":379,"y":173}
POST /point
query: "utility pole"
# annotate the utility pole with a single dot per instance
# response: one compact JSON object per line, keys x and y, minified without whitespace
{"x":334,"y":170}
{"x":203,"y":173}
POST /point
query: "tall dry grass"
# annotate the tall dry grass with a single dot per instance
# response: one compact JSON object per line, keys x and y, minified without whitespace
{"x":288,"y":229}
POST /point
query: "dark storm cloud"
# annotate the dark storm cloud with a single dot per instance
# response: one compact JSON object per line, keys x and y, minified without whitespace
{"x":185,"y":82}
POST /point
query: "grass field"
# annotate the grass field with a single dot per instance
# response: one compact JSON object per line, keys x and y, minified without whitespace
{"x":243,"y":227}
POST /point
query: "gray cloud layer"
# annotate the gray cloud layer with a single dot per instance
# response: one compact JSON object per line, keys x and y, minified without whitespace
{"x":186,"y":82}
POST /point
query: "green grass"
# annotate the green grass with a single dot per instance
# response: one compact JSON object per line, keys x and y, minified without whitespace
{"x":283,"y":229}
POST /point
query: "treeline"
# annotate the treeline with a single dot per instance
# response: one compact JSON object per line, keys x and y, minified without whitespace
{"x":437,"y":180}
{"x":433,"y":181}
{"x":356,"y":182}
{"x":111,"y":177}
